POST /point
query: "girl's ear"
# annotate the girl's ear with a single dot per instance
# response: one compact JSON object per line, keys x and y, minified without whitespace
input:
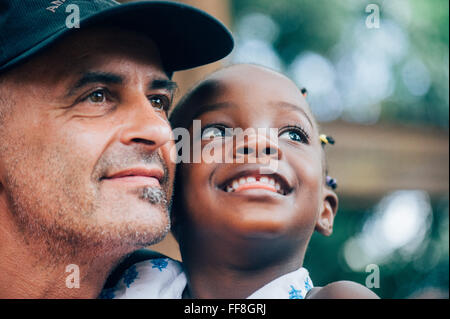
{"x":325,"y":221}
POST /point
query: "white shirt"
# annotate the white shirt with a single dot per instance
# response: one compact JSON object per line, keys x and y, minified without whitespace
{"x":164,"y":278}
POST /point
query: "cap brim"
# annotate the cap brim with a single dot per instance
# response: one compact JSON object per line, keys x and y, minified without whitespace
{"x":186,"y":37}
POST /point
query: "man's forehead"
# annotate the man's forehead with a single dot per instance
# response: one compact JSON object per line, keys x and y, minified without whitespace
{"x":99,"y":49}
{"x":124,"y":66}
{"x":101,"y":46}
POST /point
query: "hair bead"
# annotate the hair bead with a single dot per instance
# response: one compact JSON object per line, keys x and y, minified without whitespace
{"x":324,"y":139}
{"x":304,"y":92}
{"x":331,"y":182}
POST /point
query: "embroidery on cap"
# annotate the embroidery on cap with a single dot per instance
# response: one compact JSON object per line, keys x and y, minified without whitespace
{"x":55,"y":5}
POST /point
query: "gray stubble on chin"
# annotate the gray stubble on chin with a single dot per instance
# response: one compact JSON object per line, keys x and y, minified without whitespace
{"x":154,"y":196}
{"x":158,"y":197}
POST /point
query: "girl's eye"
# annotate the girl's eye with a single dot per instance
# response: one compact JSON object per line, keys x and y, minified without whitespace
{"x":98,"y":96}
{"x":295,"y":134}
{"x":213,"y":132}
{"x":160,"y":102}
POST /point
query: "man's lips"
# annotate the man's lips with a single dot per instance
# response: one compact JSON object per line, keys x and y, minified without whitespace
{"x":138,"y":175}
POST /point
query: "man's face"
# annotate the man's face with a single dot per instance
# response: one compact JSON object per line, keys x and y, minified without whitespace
{"x":85,"y":145}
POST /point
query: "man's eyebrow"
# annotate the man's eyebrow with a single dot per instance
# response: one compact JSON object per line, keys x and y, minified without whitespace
{"x":212,"y":107}
{"x":95,"y":77}
{"x":293,"y":107}
{"x":111,"y":78}
{"x":163,"y":84}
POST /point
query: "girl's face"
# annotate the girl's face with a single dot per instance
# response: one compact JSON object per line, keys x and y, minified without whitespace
{"x":263,"y":186}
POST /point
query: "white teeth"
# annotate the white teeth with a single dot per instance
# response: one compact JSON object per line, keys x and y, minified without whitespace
{"x":251,"y":179}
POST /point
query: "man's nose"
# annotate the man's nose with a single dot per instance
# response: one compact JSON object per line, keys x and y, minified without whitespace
{"x":146,"y":125}
{"x":259,"y":146}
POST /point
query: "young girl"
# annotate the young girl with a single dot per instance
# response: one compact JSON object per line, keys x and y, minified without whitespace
{"x":244,"y":216}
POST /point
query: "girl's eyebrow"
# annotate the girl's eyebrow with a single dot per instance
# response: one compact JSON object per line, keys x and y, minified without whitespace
{"x":293,"y":107}
{"x":213,"y":107}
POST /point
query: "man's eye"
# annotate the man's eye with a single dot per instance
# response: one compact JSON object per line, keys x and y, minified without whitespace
{"x":160,"y":102}
{"x":295,"y":134}
{"x":98,"y":96}
{"x":213,"y":132}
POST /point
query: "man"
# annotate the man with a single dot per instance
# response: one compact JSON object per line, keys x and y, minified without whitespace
{"x":85,"y":170}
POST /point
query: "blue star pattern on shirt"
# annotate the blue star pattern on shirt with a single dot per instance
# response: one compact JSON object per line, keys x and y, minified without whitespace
{"x":160,"y":263}
{"x":130,"y":275}
{"x":295,"y":294}
{"x":307,"y":284}
{"x":107,"y":294}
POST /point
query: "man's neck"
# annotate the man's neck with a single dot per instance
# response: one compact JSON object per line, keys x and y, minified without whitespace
{"x":31,"y":279}
{"x":226,"y":276}
{"x":28,"y":270}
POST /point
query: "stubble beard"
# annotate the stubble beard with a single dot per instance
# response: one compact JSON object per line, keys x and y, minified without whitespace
{"x":55,"y":215}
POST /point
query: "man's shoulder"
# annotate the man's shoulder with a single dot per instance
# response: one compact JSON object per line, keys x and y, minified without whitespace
{"x":133,"y":258}
{"x":342,"y":290}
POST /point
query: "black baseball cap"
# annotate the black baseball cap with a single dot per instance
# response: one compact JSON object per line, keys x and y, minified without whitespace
{"x":186,"y":37}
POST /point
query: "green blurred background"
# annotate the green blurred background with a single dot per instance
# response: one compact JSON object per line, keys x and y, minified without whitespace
{"x":380,"y":87}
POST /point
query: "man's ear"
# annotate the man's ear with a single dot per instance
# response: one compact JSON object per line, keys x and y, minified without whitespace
{"x":328,"y":211}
